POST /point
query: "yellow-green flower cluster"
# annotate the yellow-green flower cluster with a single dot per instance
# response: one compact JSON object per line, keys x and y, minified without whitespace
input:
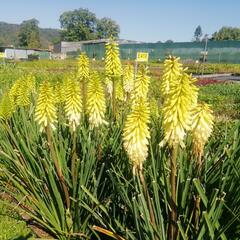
{"x":136,"y":134}
{"x":202,"y":126}
{"x":113,"y":67}
{"x":172,"y":71}
{"x":177,"y":107}
{"x":59,"y":92}
{"x":128,"y":79}
{"x":109,"y":86}
{"x":6,"y":106}
{"x":45,"y":113}
{"x":21,"y":90}
{"x":141,"y":84}
{"x":31,"y":82}
{"x":23,"y":98}
{"x":73,"y":102}
{"x":83,"y":67}
{"x":14,"y":91}
{"x":96,"y":105}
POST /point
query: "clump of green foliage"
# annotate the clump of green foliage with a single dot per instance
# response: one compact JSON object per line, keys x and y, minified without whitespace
{"x":78,"y":183}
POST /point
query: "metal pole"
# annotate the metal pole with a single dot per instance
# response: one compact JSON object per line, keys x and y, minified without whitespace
{"x":205,"y":52}
{"x":205,"y":48}
{"x":135,"y":70}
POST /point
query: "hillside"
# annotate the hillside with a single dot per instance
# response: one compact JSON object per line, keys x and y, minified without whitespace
{"x":8,"y":35}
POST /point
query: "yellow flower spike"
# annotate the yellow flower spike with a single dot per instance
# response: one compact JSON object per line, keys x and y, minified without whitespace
{"x":83,"y":76}
{"x":177,"y":117}
{"x":172,"y":71}
{"x":21,"y":90}
{"x":31,"y":83}
{"x":190,"y":83}
{"x":96,"y":105}
{"x":45,"y":113}
{"x":202,"y":126}
{"x":141,"y":84}
{"x":13,"y":93}
{"x":136,"y":134}
{"x":83,"y":67}
{"x":59,"y":92}
{"x":73,"y":102}
{"x":24,"y":93}
{"x":6,"y":106}
{"x":128,"y":79}
{"x":113,"y":70}
{"x":109,"y":85}
{"x":113,"y":67}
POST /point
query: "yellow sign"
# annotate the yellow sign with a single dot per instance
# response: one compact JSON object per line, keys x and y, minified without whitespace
{"x":142,"y":57}
{"x":2,"y":55}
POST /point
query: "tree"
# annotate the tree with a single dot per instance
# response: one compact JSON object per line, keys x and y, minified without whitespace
{"x":28,"y":35}
{"x":169,"y":41}
{"x":79,"y":24}
{"x":107,"y":28}
{"x":227,"y":33}
{"x":34,"y":41}
{"x":198,"y":33}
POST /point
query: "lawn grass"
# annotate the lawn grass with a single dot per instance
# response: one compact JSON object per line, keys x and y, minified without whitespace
{"x":11,"y":225}
{"x":210,"y":68}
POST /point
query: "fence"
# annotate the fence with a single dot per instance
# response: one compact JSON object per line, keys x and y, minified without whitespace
{"x":218,"y":51}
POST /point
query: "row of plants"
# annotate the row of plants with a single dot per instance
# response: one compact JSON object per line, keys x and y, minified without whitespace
{"x":113,"y":153}
{"x":225,"y":99}
{"x":212,"y":68}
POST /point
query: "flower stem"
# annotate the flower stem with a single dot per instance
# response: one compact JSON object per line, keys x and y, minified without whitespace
{"x":73,"y":163}
{"x":84,"y":95}
{"x":147,"y":196}
{"x":197,"y":200}
{"x":172,"y":229}
{"x":114,"y":97}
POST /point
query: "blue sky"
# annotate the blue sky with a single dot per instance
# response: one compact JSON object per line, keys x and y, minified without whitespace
{"x":143,"y":20}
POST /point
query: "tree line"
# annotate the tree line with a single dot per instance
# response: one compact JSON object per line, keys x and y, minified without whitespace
{"x":224,"y":33}
{"x":77,"y":25}
{"x":82,"y":24}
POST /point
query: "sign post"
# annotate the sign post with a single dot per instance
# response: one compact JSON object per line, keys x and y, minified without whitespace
{"x":142,"y":57}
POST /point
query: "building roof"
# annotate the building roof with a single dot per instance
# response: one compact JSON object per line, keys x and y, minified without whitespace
{"x":23,"y":48}
{"x":85,"y":42}
{"x":121,"y":41}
